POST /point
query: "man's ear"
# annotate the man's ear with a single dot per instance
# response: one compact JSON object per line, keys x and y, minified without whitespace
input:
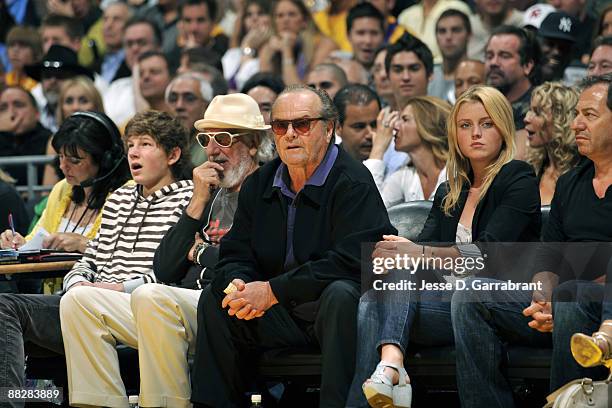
{"x":528,"y":68}
{"x":252,"y":151}
{"x":174,"y":156}
{"x":329,"y":131}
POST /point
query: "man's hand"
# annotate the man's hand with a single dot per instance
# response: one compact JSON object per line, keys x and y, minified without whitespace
{"x":60,"y":7}
{"x":102,"y":285}
{"x":66,"y":241}
{"x":250,"y":300}
{"x":10,"y":122}
{"x":191,"y":254}
{"x":394,"y":245}
{"x":110,"y":286}
{"x":541,"y":313}
{"x":205,"y":176}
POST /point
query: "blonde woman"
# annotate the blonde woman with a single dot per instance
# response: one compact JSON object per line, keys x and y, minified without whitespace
{"x":419,"y":131}
{"x":489,"y":197}
{"x":76,"y":94}
{"x":552,"y":145}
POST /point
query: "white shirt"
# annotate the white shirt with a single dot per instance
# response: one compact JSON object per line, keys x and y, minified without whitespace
{"x":119,"y":101}
{"x":402,"y":186}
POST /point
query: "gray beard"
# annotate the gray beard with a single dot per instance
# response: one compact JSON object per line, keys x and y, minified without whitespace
{"x":235,"y":176}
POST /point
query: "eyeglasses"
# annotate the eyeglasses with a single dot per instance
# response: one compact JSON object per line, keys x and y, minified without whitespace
{"x":301,"y":126}
{"x":223,"y":139}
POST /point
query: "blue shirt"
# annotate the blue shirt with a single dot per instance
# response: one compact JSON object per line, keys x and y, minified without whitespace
{"x":111,"y":63}
{"x":282,"y":181}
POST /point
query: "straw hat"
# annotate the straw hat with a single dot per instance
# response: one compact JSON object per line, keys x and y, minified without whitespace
{"x":234,"y":111}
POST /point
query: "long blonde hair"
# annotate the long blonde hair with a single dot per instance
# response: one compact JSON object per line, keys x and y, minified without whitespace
{"x":430,"y":116}
{"x":458,"y":166}
{"x":559,"y":102}
{"x":90,"y":91}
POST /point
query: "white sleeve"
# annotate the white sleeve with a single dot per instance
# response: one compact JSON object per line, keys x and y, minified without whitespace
{"x":393,"y":189}
{"x":377,"y":168}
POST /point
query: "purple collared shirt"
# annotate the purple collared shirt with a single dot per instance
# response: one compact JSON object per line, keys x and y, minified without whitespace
{"x":281,"y":180}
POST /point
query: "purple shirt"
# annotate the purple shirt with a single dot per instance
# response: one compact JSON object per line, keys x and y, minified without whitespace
{"x":282,"y":181}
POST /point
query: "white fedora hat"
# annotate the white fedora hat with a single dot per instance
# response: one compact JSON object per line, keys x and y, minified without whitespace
{"x":233,"y":111}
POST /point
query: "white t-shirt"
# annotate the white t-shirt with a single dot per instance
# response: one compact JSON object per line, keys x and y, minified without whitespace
{"x":402,"y":186}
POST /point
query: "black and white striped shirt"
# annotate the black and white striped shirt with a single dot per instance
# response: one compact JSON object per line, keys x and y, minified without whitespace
{"x":132,"y":228}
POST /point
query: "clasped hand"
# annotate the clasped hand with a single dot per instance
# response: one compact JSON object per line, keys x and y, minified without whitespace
{"x":250,"y":300}
{"x":541,"y":313}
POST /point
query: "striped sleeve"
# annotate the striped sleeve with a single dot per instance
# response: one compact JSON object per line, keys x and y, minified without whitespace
{"x":131,"y":230}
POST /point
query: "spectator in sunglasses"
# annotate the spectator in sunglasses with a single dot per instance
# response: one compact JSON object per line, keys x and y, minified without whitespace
{"x":292,"y":257}
{"x":327,"y":77}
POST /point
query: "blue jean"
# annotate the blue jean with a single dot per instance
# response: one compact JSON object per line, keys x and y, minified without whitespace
{"x":24,"y":320}
{"x":400,"y":318}
{"x":578,"y":307}
{"x":484,"y":322}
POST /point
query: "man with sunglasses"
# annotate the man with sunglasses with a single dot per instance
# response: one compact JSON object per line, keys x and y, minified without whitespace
{"x":290,"y":265}
{"x":233,"y":133}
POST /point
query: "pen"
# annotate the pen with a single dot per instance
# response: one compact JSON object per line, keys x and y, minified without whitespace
{"x":12,"y":225}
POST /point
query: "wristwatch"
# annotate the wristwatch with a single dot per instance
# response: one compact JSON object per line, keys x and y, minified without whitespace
{"x":198,"y":251}
{"x":249,"y":52}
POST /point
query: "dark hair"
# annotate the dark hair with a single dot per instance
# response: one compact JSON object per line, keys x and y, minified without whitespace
{"x":73,"y":26}
{"x":154,"y":53}
{"x":265,"y":79}
{"x":25,"y":91}
{"x":456,"y":13}
{"x":601,"y":40}
{"x":353,"y":94}
{"x":264,"y":5}
{"x":211,"y":4}
{"x":91,"y":136}
{"x":168,"y":132}
{"x":409,"y":43}
{"x":203,"y":55}
{"x":602,"y":15}
{"x":591,"y":81}
{"x":363,"y":10}
{"x":157,"y":34}
{"x":529,"y":49}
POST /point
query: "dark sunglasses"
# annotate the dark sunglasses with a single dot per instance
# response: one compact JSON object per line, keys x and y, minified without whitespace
{"x":223,"y":139}
{"x":301,"y":126}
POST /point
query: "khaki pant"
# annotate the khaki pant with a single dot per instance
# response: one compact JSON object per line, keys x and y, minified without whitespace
{"x":160,"y":321}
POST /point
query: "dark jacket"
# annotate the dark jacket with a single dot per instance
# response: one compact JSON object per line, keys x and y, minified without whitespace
{"x":508,"y":213}
{"x":33,"y":142}
{"x":331,"y":223}
{"x":170,"y":263}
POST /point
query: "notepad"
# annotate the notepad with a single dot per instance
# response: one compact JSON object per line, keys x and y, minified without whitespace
{"x":36,"y":243}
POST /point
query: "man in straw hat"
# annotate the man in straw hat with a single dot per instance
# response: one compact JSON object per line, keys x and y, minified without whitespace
{"x":289,"y":269}
{"x":161,"y":320}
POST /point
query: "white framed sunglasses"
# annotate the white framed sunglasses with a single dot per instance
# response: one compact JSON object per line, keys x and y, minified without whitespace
{"x":223,"y":139}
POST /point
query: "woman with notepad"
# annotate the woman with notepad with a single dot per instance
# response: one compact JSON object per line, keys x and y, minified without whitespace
{"x":93,"y":162}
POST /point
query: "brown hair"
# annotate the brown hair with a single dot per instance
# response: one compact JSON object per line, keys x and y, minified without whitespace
{"x":167,"y":132}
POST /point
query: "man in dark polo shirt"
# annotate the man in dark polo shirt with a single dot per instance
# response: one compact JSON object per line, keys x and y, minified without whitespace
{"x":292,"y":257}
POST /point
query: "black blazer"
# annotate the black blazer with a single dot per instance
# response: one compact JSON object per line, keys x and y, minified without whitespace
{"x":331,"y":223}
{"x":508,"y":213}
